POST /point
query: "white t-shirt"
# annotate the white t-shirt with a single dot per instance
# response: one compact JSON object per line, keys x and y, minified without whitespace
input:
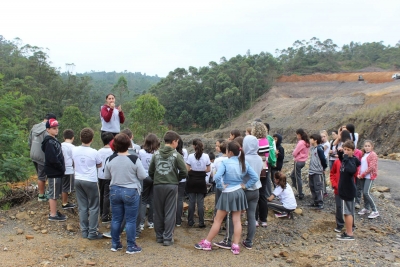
{"x":67,"y":152}
{"x":185,"y":157}
{"x":218,"y":161}
{"x":85,"y":159}
{"x":327,"y":147}
{"x":364,"y":165}
{"x":286,"y":196}
{"x":135,"y":147}
{"x":198,"y":165}
{"x":212,"y":170}
{"x":104,"y":153}
{"x":145,"y":157}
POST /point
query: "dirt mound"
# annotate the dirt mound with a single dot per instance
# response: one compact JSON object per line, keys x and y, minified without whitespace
{"x":370,"y":77}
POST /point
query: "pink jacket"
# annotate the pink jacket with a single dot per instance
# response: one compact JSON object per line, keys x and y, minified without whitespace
{"x":372,"y":161}
{"x":300,"y":153}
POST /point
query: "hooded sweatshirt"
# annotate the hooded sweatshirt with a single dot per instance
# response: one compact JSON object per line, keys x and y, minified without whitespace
{"x":54,"y":165}
{"x":300,"y":153}
{"x":317,"y":161}
{"x":250,"y":148}
{"x":347,"y":187}
{"x":36,"y":138}
{"x":167,"y":166}
{"x":281,"y":154}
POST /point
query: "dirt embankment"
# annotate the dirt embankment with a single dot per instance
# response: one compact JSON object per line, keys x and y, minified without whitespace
{"x":370,"y":77}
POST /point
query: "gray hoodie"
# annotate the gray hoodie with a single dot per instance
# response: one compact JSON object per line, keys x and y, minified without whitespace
{"x":250,"y":148}
{"x":36,"y":138}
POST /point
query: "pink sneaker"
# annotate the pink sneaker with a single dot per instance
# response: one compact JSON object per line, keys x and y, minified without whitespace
{"x":235,"y":249}
{"x":203,"y":244}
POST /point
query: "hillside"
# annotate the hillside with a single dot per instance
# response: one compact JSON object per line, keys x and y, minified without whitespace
{"x":317,"y":105}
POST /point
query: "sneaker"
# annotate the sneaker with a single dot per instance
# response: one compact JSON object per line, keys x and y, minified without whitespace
{"x":141,"y":227}
{"x":160,"y":240}
{"x":58,"y":218}
{"x":203,"y":244}
{"x":116,"y":247}
{"x":202,"y":226}
{"x":42,"y":198}
{"x":319,"y":207}
{"x":338,"y":230}
{"x":235,"y":249}
{"x":312,"y":205}
{"x":107,"y":234}
{"x":301,"y":197}
{"x":96,"y":236}
{"x":325,"y":195}
{"x":246,"y":223}
{"x":257,"y":225}
{"x":280,"y":215}
{"x":168,"y":242}
{"x":345,"y":237}
{"x":177,"y":225}
{"x":357,"y":206}
{"x":247,"y":244}
{"x":264,"y":224}
{"x":68,"y":206}
{"x":106,"y":220}
{"x":61,"y":215}
{"x":364,"y":211}
{"x":223,"y":244}
{"x":373,"y":214}
{"x":133,"y":250}
{"x":151,"y":225}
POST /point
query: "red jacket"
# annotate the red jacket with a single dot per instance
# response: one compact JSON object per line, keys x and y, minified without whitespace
{"x":372,"y":161}
{"x":335,"y":175}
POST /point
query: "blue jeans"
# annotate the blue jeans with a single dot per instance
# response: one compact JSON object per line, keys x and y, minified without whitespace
{"x":124,"y":203}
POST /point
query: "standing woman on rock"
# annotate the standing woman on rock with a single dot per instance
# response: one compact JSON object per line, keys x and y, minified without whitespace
{"x":111,"y":116}
{"x":300,"y":156}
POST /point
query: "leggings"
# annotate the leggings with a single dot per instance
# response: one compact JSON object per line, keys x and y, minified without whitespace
{"x":366,"y":185}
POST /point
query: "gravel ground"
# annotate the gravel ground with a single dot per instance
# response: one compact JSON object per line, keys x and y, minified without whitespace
{"x":306,"y":240}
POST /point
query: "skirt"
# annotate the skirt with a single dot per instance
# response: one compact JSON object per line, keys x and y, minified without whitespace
{"x":232,"y":201}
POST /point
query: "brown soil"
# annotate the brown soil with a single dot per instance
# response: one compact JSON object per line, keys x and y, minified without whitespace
{"x":370,"y":77}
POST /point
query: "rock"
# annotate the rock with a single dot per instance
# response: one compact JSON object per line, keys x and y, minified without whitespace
{"x":5,"y":249}
{"x":305,"y":236}
{"x":276,"y":255}
{"x":298,"y":211}
{"x":22,"y":216}
{"x":381,"y":196}
{"x":316,"y":256}
{"x":29,"y":237}
{"x":330,"y":258}
{"x":289,"y":261}
{"x":378,"y":244}
{"x":382,"y":189}
{"x":70,"y":228}
{"x":67,"y":255}
{"x":44,"y":231}
{"x":284,"y":254}
{"x":12,"y":217}
{"x":91,"y":263}
{"x":20,"y":231}
{"x":32,"y":213}
{"x":36,"y":228}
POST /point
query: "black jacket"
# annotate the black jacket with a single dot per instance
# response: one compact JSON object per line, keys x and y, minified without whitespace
{"x":347,"y":187}
{"x":280,"y":155}
{"x":54,"y":165}
{"x":196,"y":182}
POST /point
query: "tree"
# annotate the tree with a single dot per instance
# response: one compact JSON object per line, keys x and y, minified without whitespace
{"x":72,"y":119}
{"x":121,"y":87}
{"x":147,"y":116}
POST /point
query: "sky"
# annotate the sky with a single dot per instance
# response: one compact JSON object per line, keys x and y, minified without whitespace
{"x":156,"y":37}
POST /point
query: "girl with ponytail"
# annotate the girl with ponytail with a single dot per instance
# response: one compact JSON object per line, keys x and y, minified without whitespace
{"x":229,"y":178}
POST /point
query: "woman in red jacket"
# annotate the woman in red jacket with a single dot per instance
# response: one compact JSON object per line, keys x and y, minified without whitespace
{"x":111,"y":116}
{"x":367,"y":175}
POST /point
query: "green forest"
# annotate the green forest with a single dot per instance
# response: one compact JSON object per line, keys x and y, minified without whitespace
{"x":192,"y":99}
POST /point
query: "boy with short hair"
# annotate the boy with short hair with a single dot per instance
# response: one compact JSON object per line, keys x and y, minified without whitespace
{"x":54,"y":167}
{"x":166,"y":169}
{"x":316,"y":171}
{"x":104,"y":184}
{"x":68,"y":180}
{"x":129,"y":133}
{"x":86,"y":161}
{"x":347,"y":187}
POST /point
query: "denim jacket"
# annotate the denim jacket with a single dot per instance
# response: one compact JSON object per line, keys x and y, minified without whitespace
{"x":230,"y":173}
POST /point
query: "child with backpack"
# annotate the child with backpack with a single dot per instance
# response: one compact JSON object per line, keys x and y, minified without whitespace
{"x":316,"y":171}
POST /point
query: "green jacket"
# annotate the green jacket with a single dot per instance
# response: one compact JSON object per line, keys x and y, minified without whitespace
{"x":272,"y":153}
{"x":167,"y":166}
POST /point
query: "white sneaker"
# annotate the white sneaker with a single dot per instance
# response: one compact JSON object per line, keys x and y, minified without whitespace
{"x":151,"y":225}
{"x":141,"y":227}
{"x":364,"y":211}
{"x":257,"y":225}
{"x":357,"y":206}
{"x":373,"y":214}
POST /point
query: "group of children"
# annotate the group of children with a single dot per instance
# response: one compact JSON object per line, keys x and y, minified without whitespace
{"x":120,"y":181}
{"x":352,"y":172}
